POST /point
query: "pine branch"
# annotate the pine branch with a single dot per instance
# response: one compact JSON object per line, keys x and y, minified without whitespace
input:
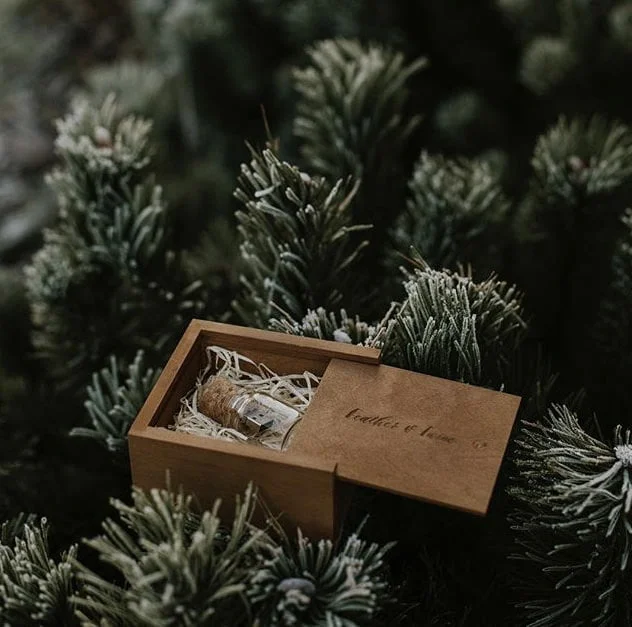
{"x":177,"y":568}
{"x":580,"y":158}
{"x":106,"y":280}
{"x":609,"y":342}
{"x":313,"y":585}
{"x":297,"y":249}
{"x":99,"y":151}
{"x":139,"y":87}
{"x":547,"y":63}
{"x":34,"y":590}
{"x":352,"y":121}
{"x":455,"y":215}
{"x":620,"y":23}
{"x":452,"y":327}
{"x":14,"y":528}
{"x":351,"y":116}
{"x":570,"y":223}
{"x":569,"y":46}
{"x":113,"y":404}
{"x":572,"y":524}
{"x":325,"y":325}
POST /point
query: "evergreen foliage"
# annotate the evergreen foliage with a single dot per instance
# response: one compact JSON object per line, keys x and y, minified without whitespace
{"x":297,"y":244}
{"x":183,"y":568}
{"x":351,"y":119}
{"x":113,"y":403}
{"x":119,"y":275}
{"x":453,"y":327}
{"x":313,"y":585}
{"x":139,"y":87}
{"x":34,"y":590}
{"x":569,"y":45}
{"x":572,"y":523}
{"x":325,"y":325}
{"x":177,"y":568}
{"x":569,"y":227}
{"x":609,"y":339}
{"x":106,"y":279}
{"x":14,"y":528}
{"x":456,"y":214}
{"x":578,"y":159}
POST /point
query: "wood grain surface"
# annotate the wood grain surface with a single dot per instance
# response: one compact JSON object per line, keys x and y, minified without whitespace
{"x":411,"y":434}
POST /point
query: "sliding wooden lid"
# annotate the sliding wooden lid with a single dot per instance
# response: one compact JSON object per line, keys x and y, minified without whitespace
{"x":410,"y":434}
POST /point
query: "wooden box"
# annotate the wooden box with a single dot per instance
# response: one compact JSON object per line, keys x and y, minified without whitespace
{"x":368,"y":424}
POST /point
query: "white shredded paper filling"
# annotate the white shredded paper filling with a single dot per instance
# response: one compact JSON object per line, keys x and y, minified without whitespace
{"x":295,"y":390}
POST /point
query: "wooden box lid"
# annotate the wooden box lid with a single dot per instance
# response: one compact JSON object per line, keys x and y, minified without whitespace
{"x":408,"y":433}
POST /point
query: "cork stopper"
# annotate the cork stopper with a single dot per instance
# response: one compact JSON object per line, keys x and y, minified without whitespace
{"x":213,"y":400}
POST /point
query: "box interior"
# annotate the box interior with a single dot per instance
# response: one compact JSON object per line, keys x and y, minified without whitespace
{"x":280,"y":358}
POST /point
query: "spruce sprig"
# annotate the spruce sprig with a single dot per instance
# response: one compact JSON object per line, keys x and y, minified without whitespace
{"x":455,"y":214}
{"x":326,"y":325}
{"x":580,"y":158}
{"x":34,"y":589}
{"x":352,"y":120}
{"x":313,"y":584}
{"x":453,"y":327}
{"x":297,"y":246}
{"x":107,"y":279}
{"x":114,"y":402}
{"x":177,"y":568}
{"x":572,"y":523}
{"x":351,"y":113}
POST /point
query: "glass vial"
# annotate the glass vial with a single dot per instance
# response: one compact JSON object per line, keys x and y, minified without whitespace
{"x":261,"y":412}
